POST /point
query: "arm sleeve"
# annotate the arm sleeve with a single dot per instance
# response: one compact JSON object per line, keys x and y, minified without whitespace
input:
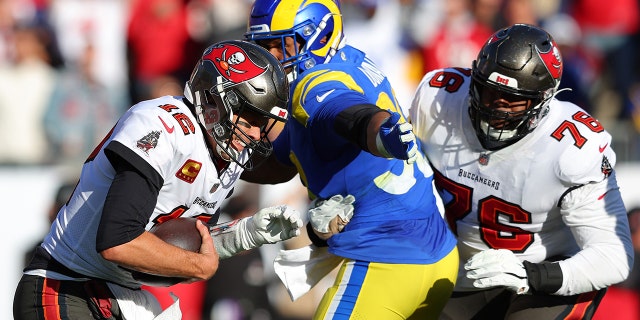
{"x":131,"y":198}
{"x":352,"y":122}
{"x":596,"y":215}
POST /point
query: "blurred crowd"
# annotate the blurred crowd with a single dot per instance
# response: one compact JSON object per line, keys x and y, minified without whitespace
{"x":70,"y":68}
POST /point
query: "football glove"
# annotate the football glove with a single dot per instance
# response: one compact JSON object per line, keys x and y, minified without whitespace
{"x":329,"y":217}
{"x":269,"y":225}
{"x":396,"y":140}
{"x":494,"y":268}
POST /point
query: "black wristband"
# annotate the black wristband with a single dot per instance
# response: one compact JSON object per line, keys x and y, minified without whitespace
{"x":545,"y":277}
{"x":314,"y":237}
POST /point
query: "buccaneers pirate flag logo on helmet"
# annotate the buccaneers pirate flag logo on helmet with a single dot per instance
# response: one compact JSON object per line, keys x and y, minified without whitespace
{"x":552,"y":60}
{"x":233,"y":63}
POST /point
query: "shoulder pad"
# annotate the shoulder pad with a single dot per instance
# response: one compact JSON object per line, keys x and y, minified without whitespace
{"x":589,"y":157}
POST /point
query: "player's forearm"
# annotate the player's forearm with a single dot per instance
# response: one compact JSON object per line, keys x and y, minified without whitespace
{"x":594,"y":269}
{"x":149,"y":254}
{"x":606,"y":257}
{"x":360,"y":125}
{"x":226,"y":239}
{"x":597,"y":217}
{"x":372,"y":133}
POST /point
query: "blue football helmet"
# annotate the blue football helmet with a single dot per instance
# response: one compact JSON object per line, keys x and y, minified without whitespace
{"x":306,"y":21}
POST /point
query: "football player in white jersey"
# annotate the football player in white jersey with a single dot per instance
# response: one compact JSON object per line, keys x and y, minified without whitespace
{"x":527,"y":182}
{"x":165,"y":158}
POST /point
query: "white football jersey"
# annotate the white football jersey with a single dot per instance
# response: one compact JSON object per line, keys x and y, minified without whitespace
{"x":164,"y":133}
{"x":553,"y":194}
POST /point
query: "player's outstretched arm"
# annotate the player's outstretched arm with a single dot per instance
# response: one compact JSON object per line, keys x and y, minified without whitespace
{"x":381,"y":132}
{"x":269,"y":225}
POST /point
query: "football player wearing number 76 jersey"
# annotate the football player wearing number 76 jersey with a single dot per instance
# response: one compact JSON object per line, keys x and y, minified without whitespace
{"x":527,"y":182}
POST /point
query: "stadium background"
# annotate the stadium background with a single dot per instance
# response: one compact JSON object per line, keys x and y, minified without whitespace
{"x":69,"y":68}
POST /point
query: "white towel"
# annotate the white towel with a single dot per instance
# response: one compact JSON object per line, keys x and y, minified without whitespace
{"x":301,"y":269}
{"x":143,"y":305}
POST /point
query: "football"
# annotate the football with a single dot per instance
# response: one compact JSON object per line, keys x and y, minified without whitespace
{"x":180,"y":232}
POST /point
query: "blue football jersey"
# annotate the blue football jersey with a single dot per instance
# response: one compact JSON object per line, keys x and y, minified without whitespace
{"x":396,"y":218}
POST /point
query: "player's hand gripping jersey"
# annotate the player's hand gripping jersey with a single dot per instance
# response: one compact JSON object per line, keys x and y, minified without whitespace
{"x":162,"y":139}
{"x":386,"y":190}
{"x":551,"y":195}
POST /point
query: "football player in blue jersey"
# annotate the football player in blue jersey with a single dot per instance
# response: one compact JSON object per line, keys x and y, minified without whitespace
{"x":347,"y":136}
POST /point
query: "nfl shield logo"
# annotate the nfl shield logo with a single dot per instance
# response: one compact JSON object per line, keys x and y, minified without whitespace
{"x":483,"y":159}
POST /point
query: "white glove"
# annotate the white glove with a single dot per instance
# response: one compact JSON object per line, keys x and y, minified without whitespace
{"x":269,"y":225}
{"x":494,"y":268}
{"x":330,"y":216}
{"x":274,"y":224}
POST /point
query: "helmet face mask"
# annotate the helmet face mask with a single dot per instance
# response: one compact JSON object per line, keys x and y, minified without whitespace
{"x":229,"y":129}
{"x":239,"y":92}
{"x":520,"y":66}
{"x":315,"y":26}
